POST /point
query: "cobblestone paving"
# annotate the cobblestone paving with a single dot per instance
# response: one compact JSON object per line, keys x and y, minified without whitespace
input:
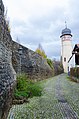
{"x":60,"y":100}
{"x":64,"y":106}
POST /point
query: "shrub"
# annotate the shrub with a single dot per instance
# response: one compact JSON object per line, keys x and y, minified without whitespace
{"x":20,"y":94}
{"x":35,"y":89}
{"x":22,"y":82}
{"x":74,"y":72}
{"x":42,"y":53}
{"x":26,"y":87}
{"x":21,"y":86}
{"x":50,"y":63}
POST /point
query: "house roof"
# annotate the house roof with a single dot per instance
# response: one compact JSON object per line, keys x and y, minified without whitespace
{"x":70,"y":58}
{"x":76,"y":48}
{"x":78,"y":45}
{"x":75,"y":51}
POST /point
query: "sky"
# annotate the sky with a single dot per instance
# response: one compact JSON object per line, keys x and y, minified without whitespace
{"x":42,"y":21}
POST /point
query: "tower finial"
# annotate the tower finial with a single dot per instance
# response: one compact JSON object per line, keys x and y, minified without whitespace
{"x":65,"y":24}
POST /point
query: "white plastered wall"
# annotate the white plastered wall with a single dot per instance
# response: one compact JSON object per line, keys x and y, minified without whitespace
{"x":66,"y":51}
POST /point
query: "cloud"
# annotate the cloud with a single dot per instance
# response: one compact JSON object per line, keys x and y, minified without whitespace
{"x":41,"y":21}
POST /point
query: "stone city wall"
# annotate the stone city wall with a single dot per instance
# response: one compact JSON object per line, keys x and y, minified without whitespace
{"x":7,"y":73}
{"x":31,"y":63}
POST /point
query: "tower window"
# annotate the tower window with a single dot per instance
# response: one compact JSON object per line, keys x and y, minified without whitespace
{"x":64,"y":59}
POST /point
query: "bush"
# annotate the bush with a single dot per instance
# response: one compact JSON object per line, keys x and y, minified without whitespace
{"x":74,"y":73}
{"x":20,"y":94}
{"x":50,"y":63}
{"x":35,"y":89}
{"x":26,"y":87}
{"x":21,"y":87}
{"x":22,"y":82}
{"x":42,"y":53}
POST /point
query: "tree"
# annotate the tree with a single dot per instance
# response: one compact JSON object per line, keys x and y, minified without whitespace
{"x":40,"y":51}
{"x":7,"y":20}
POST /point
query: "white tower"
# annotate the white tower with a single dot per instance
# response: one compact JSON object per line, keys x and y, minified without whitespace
{"x":66,"y":47}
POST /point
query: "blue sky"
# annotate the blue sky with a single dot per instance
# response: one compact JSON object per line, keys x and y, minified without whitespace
{"x":41,"y":21}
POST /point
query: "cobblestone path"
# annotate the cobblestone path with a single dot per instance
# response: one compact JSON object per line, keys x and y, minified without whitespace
{"x":60,"y":100}
{"x":65,"y":108}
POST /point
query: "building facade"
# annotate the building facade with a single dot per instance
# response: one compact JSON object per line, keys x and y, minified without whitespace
{"x":75,"y":56}
{"x":66,"y":48}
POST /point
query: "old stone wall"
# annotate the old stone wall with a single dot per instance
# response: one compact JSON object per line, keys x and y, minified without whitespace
{"x":58,"y":68}
{"x":32,"y":63}
{"x":7,"y":73}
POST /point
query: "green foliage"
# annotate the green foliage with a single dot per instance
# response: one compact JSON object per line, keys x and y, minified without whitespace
{"x":75,"y":69}
{"x":22,"y":82}
{"x":26,"y":87}
{"x":35,"y":89}
{"x":19,"y":94}
{"x":50,"y":63}
{"x":74,"y":72}
{"x":42,"y":53}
